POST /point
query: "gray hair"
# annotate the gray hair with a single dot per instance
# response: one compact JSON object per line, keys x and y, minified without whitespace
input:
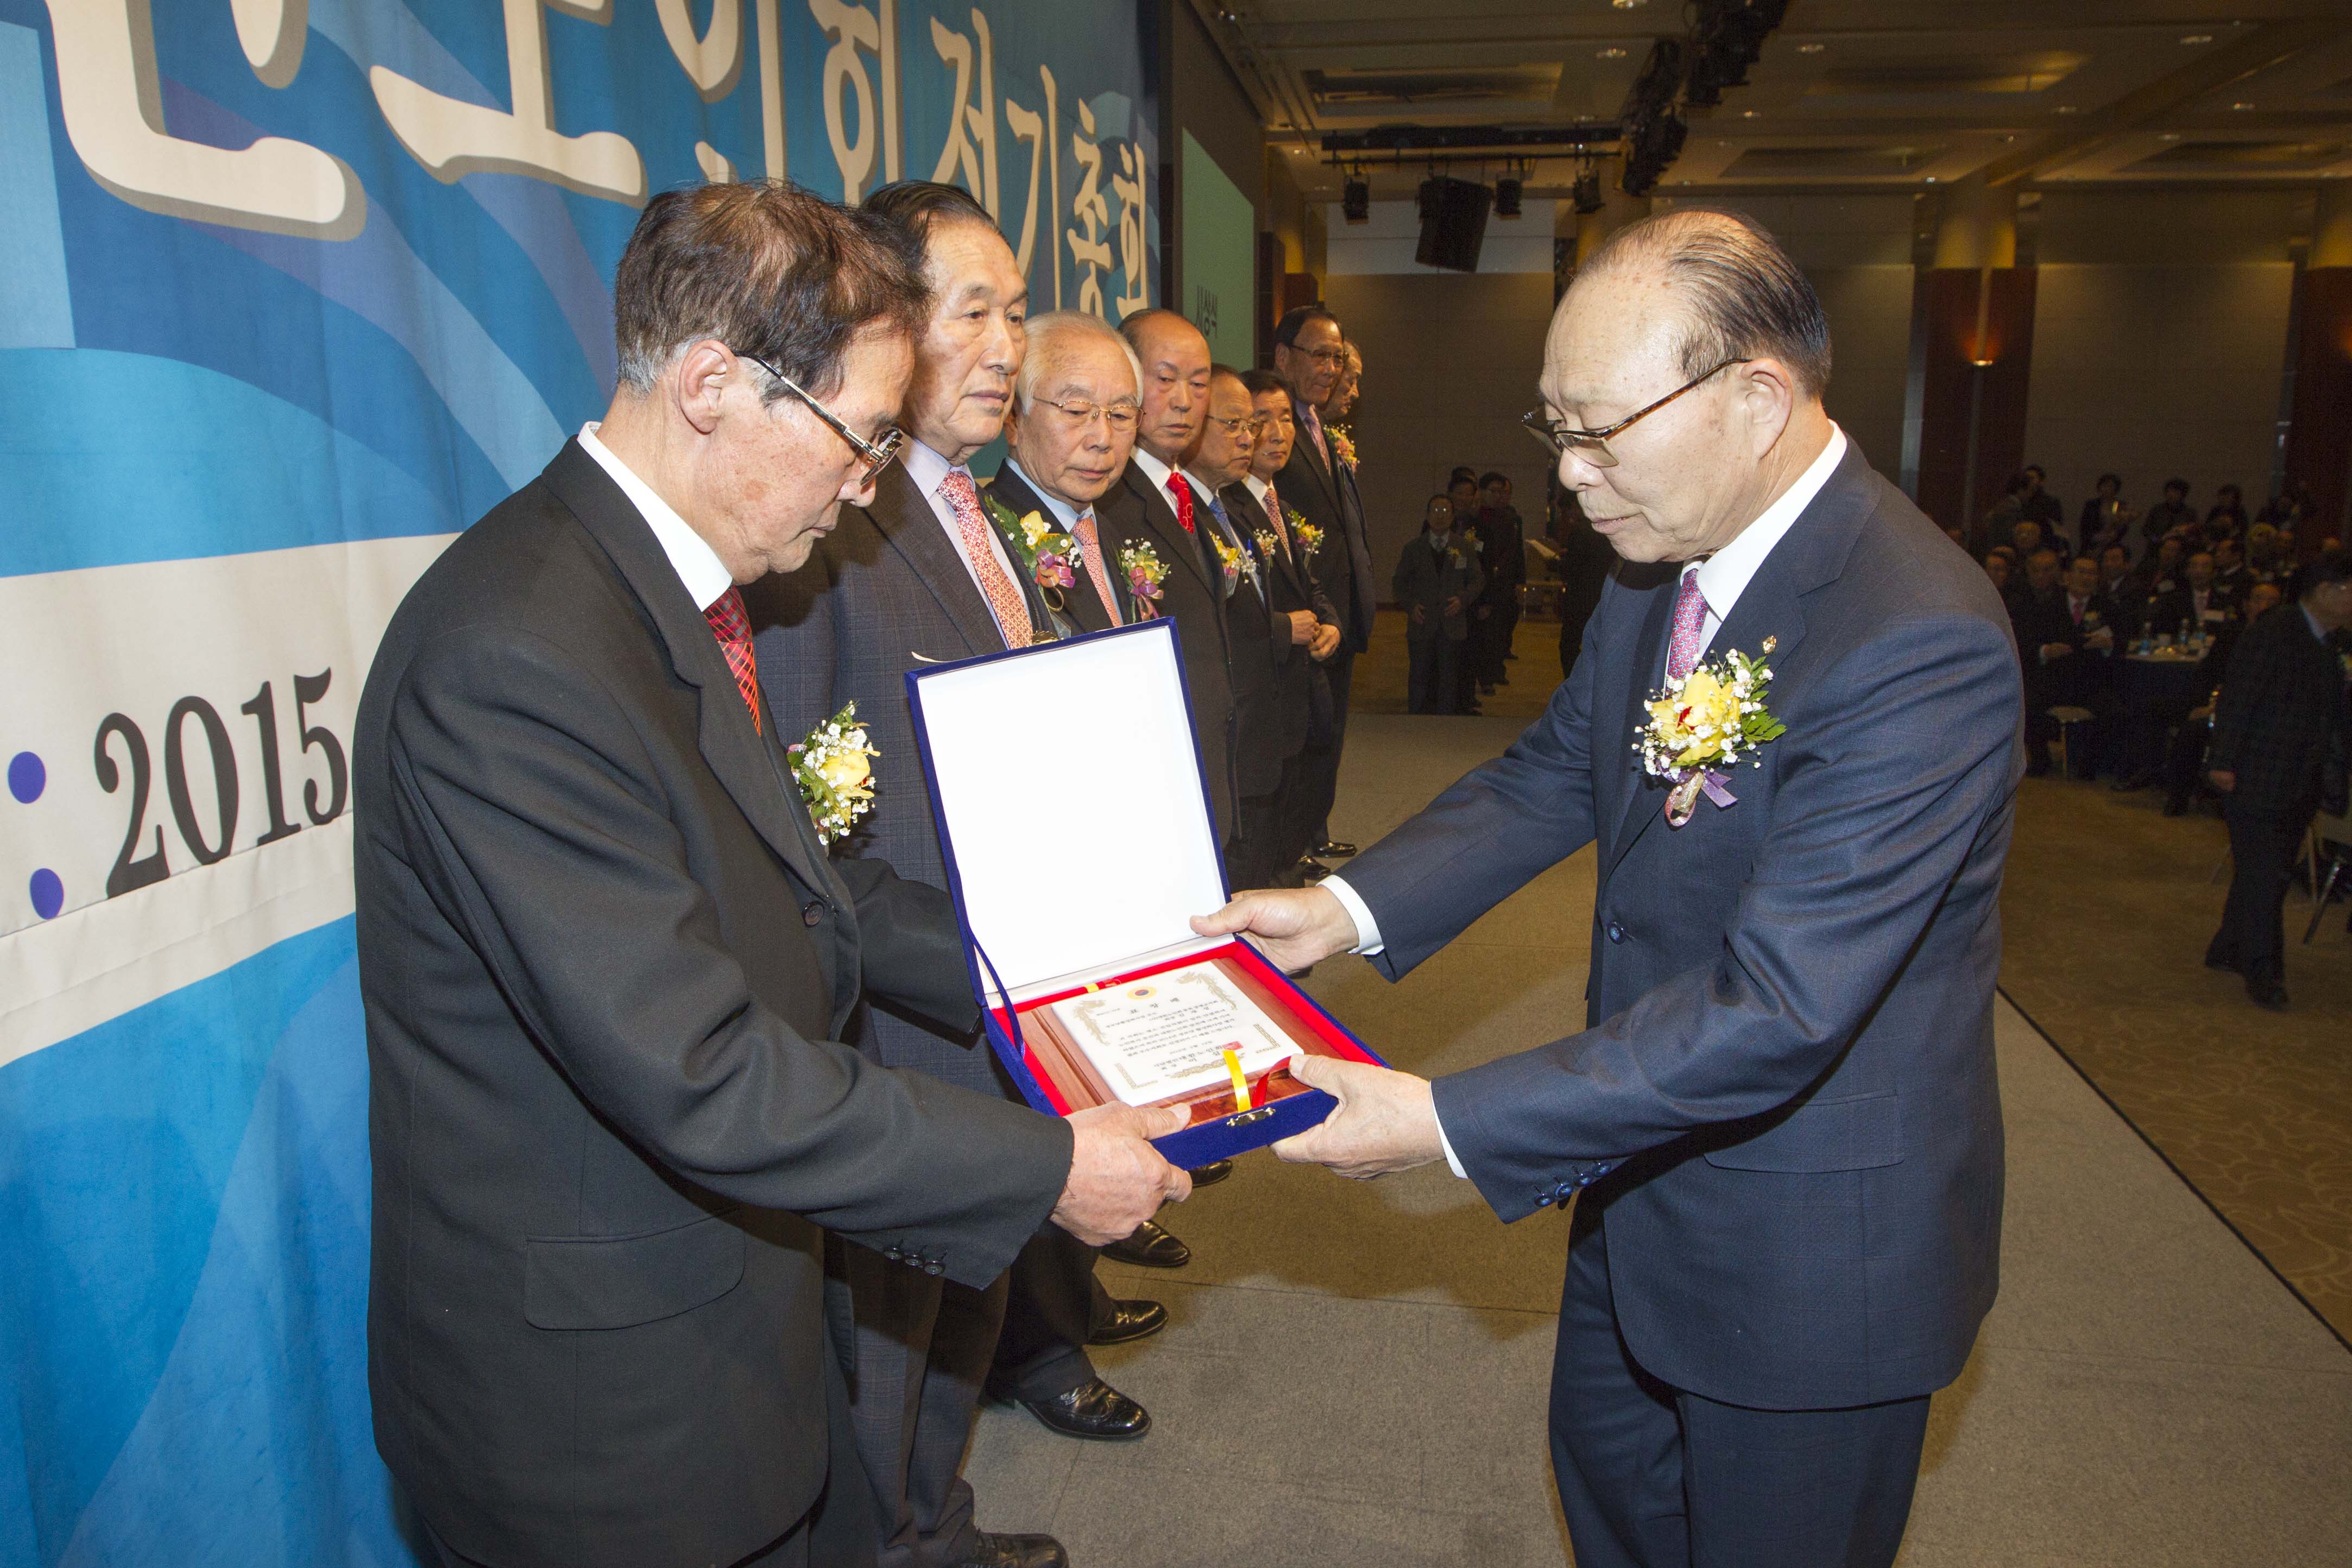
{"x":1050,"y":333}
{"x":1747,"y":298}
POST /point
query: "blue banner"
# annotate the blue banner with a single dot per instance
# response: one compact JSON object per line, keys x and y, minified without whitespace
{"x":296,"y":288}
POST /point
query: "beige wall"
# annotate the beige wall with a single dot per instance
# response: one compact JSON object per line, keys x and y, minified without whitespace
{"x":1450,"y":363}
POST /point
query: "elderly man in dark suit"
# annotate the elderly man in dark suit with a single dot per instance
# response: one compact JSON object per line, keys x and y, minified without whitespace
{"x":2281,"y":731}
{"x":1779,"y":1126}
{"x":920,"y":572}
{"x":605,"y":958}
{"x":1309,"y":354}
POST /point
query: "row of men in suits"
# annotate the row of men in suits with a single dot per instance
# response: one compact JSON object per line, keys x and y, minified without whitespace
{"x":1189,"y":491}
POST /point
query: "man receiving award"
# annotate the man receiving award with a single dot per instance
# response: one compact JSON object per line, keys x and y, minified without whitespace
{"x":1793,"y":737}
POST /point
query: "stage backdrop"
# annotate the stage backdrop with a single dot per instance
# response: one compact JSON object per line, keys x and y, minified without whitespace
{"x":289,"y":292}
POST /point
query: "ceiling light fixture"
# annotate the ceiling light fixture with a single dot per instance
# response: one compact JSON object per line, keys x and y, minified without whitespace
{"x":2197,"y":39}
{"x":2067,"y":108}
{"x":2241,"y":106}
{"x":1355,"y":198}
{"x":1810,"y":48}
{"x":1611,"y":53}
{"x":1627,"y":4}
{"x":2168,"y":136}
{"x":1751,"y":114}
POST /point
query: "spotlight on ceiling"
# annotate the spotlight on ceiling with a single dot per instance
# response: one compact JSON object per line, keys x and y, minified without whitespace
{"x":1586,"y":192}
{"x":1508,"y":191}
{"x":1356,"y":199}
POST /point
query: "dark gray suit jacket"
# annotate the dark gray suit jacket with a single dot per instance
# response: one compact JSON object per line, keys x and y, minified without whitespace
{"x":1325,"y":493}
{"x":885,"y":592}
{"x":1784,"y":1097}
{"x":603,"y":963}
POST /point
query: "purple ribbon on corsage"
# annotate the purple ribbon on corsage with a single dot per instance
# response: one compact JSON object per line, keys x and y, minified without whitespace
{"x":1683,"y":799}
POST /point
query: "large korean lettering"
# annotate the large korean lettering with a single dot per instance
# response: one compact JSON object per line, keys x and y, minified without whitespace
{"x":1089,"y":212}
{"x":1134,"y":255}
{"x":113,"y":107}
{"x":852,"y":29}
{"x":1044,"y":173}
{"x":971,"y":150}
{"x":452,"y":137}
{"x":714,"y":58}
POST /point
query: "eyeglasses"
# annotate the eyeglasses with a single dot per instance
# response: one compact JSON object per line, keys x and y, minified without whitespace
{"x":1119,"y":416}
{"x":1592,"y":446}
{"x":1253,"y":423}
{"x":1321,"y":356}
{"x":878,"y":455}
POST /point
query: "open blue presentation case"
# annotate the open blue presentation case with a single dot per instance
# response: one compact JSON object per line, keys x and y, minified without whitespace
{"x":1075,"y":822}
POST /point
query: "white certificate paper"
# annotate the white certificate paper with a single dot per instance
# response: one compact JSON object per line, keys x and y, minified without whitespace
{"x":1156,"y":1038}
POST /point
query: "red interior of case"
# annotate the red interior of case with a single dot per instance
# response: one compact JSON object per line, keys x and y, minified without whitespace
{"x":1309,"y":1018}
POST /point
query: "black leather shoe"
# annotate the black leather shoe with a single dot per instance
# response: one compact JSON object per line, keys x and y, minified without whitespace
{"x":1093,"y":1411}
{"x":1333,"y":849}
{"x":1212,"y":1174}
{"x":1130,"y":1320}
{"x":1150,"y":1247}
{"x":1312,"y":870}
{"x":990,"y":1550}
{"x":2224,"y":965}
{"x":2271,"y":998}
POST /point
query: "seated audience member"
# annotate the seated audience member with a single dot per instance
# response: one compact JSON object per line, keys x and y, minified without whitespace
{"x":2226,"y":515}
{"x":2266,"y":554}
{"x":2121,"y":591}
{"x":2158,"y":573}
{"x":2106,"y":519}
{"x":2031,"y":612}
{"x":2286,"y":510}
{"x":2067,"y":639}
{"x":1437,"y":577}
{"x":2281,"y":749}
{"x":1997,"y":567}
{"x":2026,"y":535}
{"x":2171,"y":513}
{"x":2198,"y":605}
{"x":2229,"y":573}
{"x":1957,"y":534}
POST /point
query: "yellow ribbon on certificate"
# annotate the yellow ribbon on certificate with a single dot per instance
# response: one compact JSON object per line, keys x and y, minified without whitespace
{"x":1241,"y":1082}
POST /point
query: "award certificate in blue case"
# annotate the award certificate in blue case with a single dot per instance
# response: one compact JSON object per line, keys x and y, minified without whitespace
{"x":1075,"y":827}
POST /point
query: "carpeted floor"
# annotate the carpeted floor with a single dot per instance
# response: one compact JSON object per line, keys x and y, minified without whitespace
{"x":2107,"y":908}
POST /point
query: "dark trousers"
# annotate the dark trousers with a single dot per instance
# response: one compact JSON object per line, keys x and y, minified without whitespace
{"x":1433,"y":683}
{"x":1054,"y":1306}
{"x":1320,"y":772}
{"x":1254,"y":857}
{"x":919,"y":1349}
{"x":2252,"y":938}
{"x":1656,"y":1477}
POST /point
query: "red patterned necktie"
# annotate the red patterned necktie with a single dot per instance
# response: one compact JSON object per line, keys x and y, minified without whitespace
{"x":1690,"y":625}
{"x":1090,"y":546}
{"x":1004,"y":600}
{"x":732,"y":627}
{"x":1179,"y":495}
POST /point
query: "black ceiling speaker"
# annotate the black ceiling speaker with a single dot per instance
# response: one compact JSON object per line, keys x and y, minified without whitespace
{"x":1356,"y":199}
{"x":1506,"y":197}
{"x":1586,"y":192}
{"x":1453,"y":222}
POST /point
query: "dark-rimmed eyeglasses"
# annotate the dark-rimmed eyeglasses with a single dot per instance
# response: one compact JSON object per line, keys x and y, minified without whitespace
{"x":878,"y":455}
{"x":1592,"y":446}
{"x":1119,"y":416}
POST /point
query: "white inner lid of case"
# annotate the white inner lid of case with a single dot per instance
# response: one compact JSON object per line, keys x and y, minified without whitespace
{"x":1070,"y":792}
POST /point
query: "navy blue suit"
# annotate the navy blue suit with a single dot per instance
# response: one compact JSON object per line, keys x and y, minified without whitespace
{"x":1782,"y":1113}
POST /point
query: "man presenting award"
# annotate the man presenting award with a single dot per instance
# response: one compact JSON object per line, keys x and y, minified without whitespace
{"x":1792,"y":737}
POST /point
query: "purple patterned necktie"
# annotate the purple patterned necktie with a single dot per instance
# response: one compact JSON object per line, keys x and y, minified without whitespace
{"x":1690,"y":625}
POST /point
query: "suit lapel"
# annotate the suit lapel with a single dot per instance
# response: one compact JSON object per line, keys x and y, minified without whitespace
{"x":1176,"y":547}
{"x":1080,"y":609}
{"x":905,"y":519}
{"x":736,"y":754}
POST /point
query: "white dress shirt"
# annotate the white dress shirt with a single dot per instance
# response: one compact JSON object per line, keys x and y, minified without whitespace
{"x":1154,"y":470}
{"x":1723,"y":577}
{"x":928,"y":470}
{"x":698,"y":566}
{"x":1054,"y":504}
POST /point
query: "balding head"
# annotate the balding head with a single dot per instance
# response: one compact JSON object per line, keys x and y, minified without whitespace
{"x":1175,"y":361}
{"x":1681,"y":382}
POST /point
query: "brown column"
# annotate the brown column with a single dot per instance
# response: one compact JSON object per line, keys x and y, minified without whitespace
{"x":1977,"y":317}
{"x":2319,"y":431}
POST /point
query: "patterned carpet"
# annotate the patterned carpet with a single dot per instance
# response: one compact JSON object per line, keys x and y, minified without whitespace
{"x":2107,"y":908}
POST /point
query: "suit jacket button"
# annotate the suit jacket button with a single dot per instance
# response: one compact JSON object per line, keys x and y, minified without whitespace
{"x":1616,"y":932}
{"x":812,"y":911}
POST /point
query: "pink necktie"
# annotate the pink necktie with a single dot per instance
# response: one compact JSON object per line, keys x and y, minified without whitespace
{"x":1315,"y":433}
{"x":732,"y":627}
{"x":1011,"y":609}
{"x":1090,"y":546}
{"x":1274,"y":511}
{"x":1690,"y":625}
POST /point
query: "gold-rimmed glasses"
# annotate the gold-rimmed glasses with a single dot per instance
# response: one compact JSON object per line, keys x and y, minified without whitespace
{"x":1119,"y":416}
